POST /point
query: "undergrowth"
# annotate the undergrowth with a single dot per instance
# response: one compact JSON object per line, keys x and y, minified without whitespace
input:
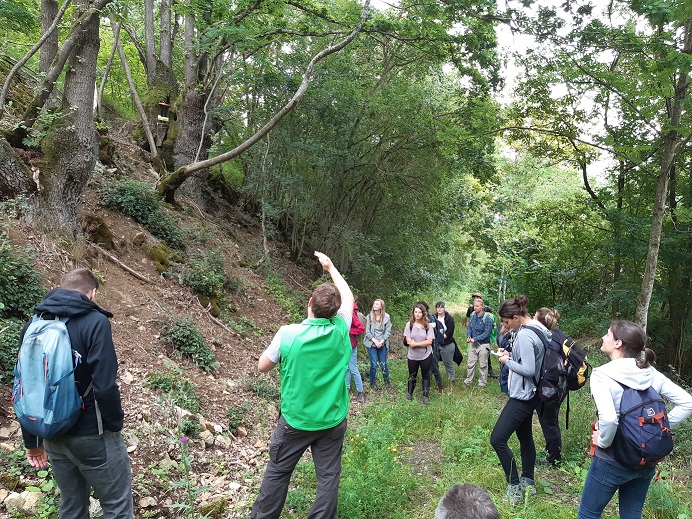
{"x":187,"y":340}
{"x":141,"y":202}
{"x":401,"y":456}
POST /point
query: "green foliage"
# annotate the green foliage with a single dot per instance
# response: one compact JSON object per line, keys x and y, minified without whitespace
{"x":141,"y":202}
{"x":263,"y":387}
{"x":291,"y":301}
{"x":180,"y":389}
{"x":19,"y":15}
{"x":20,"y":284}
{"x":187,"y":340}
{"x":236,"y":414}
{"x":189,"y":427}
{"x":205,"y":274}
{"x":10,"y":330}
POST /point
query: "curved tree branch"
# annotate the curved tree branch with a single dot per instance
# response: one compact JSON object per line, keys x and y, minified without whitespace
{"x":27,"y":57}
{"x":170,"y":184}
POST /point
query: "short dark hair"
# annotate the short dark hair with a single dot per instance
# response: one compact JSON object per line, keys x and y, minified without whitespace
{"x":440,"y":304}
{"x":82,"y":280}
{"x":424,"y":304}
{"x":466,"y":502}
{"x":326,"y":300}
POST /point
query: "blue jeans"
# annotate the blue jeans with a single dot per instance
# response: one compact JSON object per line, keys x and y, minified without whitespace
{"x":353,"y":370}
{"x":81,"y":463}
{"x":378,"y":356}
{"x":604,"y":478}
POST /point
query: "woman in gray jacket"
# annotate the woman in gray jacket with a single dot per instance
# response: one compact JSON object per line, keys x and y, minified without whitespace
{"x":378,"y":328}
{"x":524,"y":363}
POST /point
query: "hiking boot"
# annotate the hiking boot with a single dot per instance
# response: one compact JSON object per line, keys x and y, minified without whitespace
{"x":409,"y":396}
{"x":426,"y":400}
{"x":359,"y":398}
{"x":386,"y":384}
{"x":373,"y":385}
{"x":514,"y":495}
{"x":439,"y":389}
{"x":527,"y":483}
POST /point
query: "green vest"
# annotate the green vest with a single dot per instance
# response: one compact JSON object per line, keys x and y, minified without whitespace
{"x":314,"y":360}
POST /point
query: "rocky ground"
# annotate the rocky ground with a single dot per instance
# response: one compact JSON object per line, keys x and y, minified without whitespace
{"x":225,"y":467}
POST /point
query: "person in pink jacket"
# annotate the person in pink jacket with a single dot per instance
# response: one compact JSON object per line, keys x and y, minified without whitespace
{"x":357,"y":329}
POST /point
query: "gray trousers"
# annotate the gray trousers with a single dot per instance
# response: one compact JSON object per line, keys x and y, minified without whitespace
{"x":286,"y":447}
{"x":447,"y":354}
{"x":81,"y":463}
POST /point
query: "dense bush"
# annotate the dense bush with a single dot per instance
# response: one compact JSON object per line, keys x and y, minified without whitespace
{"x":205,"y":274}
{"x":20,"y":284}
{"x":187,"y":340}
{"x":140,"y":201}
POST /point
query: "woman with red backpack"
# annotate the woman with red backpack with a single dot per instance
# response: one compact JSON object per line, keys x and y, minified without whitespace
{"x":630,"y":368}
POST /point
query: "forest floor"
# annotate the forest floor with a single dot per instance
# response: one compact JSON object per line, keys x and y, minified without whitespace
{"x":229,"y":466}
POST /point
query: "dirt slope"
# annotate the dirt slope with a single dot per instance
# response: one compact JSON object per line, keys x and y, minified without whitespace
{"x":232,"y":464}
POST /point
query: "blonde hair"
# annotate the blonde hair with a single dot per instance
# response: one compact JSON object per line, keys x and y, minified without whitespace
{"x":547,"y":317}
{"x":373,"y":317}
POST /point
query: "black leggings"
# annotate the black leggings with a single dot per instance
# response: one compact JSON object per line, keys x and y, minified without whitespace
{"x":516,"y":417}
{"x":424,"y":365}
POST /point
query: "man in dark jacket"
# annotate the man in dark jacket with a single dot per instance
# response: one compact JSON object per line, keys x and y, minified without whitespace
{"x":92,"y":454}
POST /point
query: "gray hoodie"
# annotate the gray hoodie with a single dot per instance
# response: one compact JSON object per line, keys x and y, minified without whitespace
{"x":607,"y":393}
{"x":526,"y":360}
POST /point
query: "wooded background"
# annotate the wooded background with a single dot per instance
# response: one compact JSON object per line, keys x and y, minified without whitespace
{"x":376,"y":135}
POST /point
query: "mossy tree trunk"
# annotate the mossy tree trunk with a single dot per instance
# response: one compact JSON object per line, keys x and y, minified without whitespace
{"x":70,"y":149}
{"x":15,"y":176}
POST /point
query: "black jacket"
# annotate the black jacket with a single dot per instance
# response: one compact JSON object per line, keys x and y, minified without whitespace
{"x":91,"y":336}
{"x":449,"y":323}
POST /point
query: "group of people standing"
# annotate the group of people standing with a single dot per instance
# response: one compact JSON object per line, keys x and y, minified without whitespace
{"x":314,"y":408}
{"x":429,"y":339}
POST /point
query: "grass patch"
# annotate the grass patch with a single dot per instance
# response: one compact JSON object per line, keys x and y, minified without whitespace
{"x":400,"y":457}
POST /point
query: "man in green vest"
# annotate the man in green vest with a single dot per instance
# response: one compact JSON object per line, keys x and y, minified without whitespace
{"x":314,"y":357}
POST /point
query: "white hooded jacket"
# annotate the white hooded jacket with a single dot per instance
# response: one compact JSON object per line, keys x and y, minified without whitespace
{"x":607,"y":393}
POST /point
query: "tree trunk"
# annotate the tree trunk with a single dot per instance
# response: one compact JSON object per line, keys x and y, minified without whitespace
{"x":75,"y":40}
{"x":15,"y":176}
{"x":71,"y":147}
{"x":49,"y":49}
{"x":149,"y":43}
{"x":670,"y":145}
{"x":165,"y":37}
{"x":191,"y":130}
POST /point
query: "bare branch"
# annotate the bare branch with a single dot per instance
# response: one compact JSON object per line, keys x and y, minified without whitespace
{"x":27,"y":57}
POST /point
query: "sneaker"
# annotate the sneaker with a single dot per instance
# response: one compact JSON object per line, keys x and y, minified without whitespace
{"x":439,"y":389}
{"x":514,"y":495}
{"x":409,"y":396}
{"x":426,"y":400}
{"x":527,"y":483}
{"x":359,"y":398}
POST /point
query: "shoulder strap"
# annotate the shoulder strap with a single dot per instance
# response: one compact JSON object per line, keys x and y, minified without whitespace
{"x":541,"y":336}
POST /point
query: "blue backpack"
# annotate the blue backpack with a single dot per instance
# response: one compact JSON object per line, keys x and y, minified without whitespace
{"x":643,"y":437}
{"x":45,"y":396}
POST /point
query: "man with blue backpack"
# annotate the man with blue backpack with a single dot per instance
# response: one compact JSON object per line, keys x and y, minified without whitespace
{"x":85,"y":448}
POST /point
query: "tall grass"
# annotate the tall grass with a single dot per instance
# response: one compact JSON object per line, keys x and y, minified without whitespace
{"x":401,"y":456}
